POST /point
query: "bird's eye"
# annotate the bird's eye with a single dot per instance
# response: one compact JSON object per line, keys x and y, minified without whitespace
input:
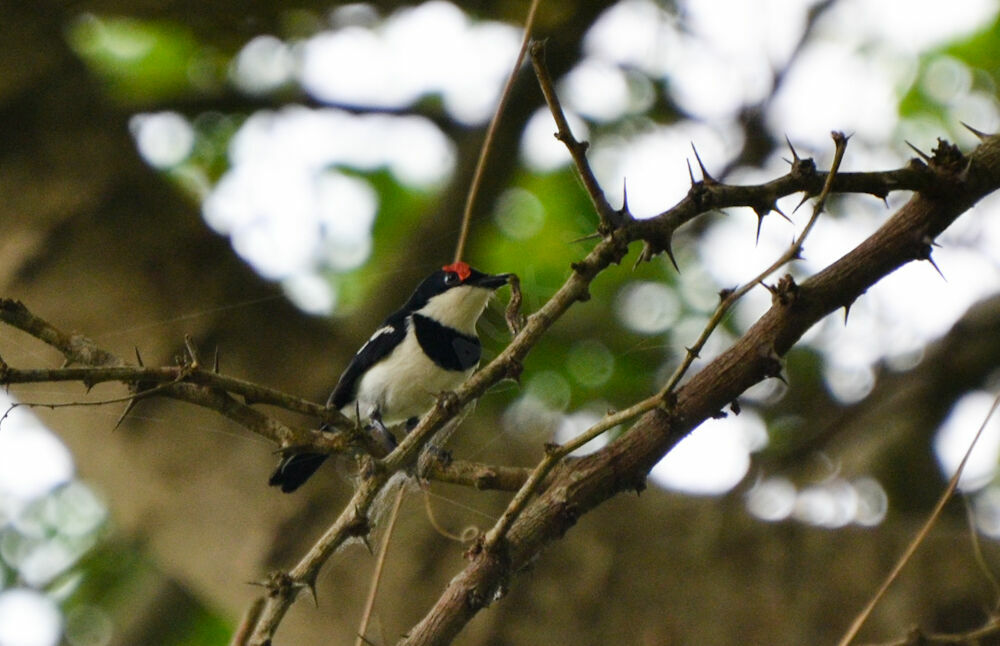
{"x":451,"y":278}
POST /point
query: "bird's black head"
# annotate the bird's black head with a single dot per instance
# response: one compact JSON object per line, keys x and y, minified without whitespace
{"x":458,"y":292}
{"x":449,"y":277}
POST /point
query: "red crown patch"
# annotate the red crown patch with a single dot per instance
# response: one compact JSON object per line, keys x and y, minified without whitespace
{"x":462,"y":269}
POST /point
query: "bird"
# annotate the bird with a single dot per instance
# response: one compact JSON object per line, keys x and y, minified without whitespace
{"x":427,"y":347}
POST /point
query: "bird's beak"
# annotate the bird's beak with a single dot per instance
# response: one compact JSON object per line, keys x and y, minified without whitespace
{"x":491,"y":281}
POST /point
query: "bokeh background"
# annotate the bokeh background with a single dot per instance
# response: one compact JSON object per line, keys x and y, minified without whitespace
{"x":274,"y":177}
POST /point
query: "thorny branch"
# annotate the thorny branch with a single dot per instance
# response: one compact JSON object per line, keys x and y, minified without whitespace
{"x":217,"y":392}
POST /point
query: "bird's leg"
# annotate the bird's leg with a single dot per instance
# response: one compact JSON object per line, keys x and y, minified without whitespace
{"x":381,"y":434}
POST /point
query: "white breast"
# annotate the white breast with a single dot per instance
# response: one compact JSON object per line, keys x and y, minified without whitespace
{"x":459,"y":307}
{"x":405,"y":384}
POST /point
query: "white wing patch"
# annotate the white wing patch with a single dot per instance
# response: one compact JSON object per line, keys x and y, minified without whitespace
{"x":386,"y":329}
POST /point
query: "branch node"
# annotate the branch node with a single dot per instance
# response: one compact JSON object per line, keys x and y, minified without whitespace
{"x":278,"y":584}
{"x":949,"y":158}
{"x":514,"y":369}
{"x":773,"y":364}
{"x":359,"y":525}
{"x":447,"y":402}
{"x":785,"y":292}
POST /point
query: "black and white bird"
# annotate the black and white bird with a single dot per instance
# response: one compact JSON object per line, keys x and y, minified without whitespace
{"x":428,"y":347}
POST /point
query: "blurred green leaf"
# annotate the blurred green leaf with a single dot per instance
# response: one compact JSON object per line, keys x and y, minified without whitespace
{"x":144,"y":61}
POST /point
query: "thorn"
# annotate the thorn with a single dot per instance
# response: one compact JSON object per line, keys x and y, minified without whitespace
{"x":128,"y":409}
{"x":930,"y":259}
{"x":795,"y":155}
{"x":847,"y":312}
{"x":670,"y":254}
{"x":923,"y":155}
{"x":691,"y":173}
{"x":981,"y":135}
{"x":311,"y":586}
{"x":760,"y":221}
{"x":192,"y":352}
{"x":929,"y":243}
{"x":589,"y":236}
{"x":775,"y":208}
{"x":624,"y":209}
{"x":215,"y":361}
{"x":138,"y":357}
{"x":805,"y":198}
{"x":705,"y":175}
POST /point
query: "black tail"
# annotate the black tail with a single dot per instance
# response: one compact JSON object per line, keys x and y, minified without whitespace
{"x":293,"y":470}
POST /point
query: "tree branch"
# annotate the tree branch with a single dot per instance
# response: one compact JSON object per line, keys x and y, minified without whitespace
{"x":215,"y":391}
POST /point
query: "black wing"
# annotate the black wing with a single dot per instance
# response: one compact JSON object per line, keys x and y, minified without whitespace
{"x":378,"y":347}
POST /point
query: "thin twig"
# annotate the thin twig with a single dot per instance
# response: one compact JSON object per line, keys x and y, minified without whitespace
{"x":247,"y":623}
{"x":379,"y":564}
{"x":127,"y":374}
{"x":977,"y":553}
{"x":610,"y":218}
{"x":477,"y":176}
{"x":859,"y":621}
